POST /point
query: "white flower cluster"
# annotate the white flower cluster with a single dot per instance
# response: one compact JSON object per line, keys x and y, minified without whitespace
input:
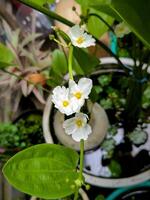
{"x":69,"y":101}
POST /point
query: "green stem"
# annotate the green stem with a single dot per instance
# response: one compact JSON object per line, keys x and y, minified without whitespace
{"x":81,"y":159}
{"x":70,"y":62}
{"x":76,"y":194}
{"x":81,"y":168}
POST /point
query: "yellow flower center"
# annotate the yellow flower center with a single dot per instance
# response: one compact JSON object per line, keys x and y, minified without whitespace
{"x":79,"y":123}
{"x":65,"y":103}
{"x":78,"y":95}
{"x":80,"y":40}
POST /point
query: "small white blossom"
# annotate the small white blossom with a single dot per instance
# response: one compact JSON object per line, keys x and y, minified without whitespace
{"x":60,"y":98}
{"x":80,"y":38}
{"x":121,"y":30}
{"x":79,"y":92}
{"x":78,"y":127}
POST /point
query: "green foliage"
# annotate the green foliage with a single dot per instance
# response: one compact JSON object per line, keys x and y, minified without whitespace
{"x":24,"y":133}
{"x":146,"y":97}
{"x":98,"y":89}
{"x":120,"y":9}
{"x":95,"y":26}
{"x":30,"y":129}
{"x":54,"y":79}
{"x":138,"y":136}
{"x":100,"y":197}
{"x":47,"y":171}
{"x":108,"y":144}
{"x":86,"y":61}
{"x":8,"y":135}
{"x":112,"y":131}
{"x":110,"y":91}
{"x":60,"y":68}
{"x":42,"y":2}
{"x":115,"y":168}
{"x":94,"y":97}
{"x":106,"y":103}
{"x":104,"y":80}
{"x":6,"y":57}
{"x":59,"y":62}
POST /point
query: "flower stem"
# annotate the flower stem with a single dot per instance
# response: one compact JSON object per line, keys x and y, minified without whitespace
{"x":70,"y":62}
{"x":76,"y":194}
{"x":81,"y":168}
{"x":81,"y":158}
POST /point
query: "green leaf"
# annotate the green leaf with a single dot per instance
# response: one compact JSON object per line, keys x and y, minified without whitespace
{"x":100,"y":197}
{"x":115,"y":168}
{"x":59,"y":62}
{"x":76,"y":67}
{"x":42,"y":2}
{"x":101,"y":5}
{"x":94,"y":96}
{"x":95,"y":26}
{"x":104,"y":80}
{"x":47,"y":171}
{"x":86,"y":61}
{"x":6,"y":56}
{"x":134,"y":13}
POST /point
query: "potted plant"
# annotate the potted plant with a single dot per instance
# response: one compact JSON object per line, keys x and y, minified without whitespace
{"x":52,"y":122}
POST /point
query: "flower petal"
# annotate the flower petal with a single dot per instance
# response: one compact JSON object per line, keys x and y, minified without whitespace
{"x":61,"y":94}
{"x":69,"y":126}
{"x":85,"y":84}
{"x":75,"y":31}
{"x":82,"y":133}
{"x":73,"y":87}
{"x":77,"y":104}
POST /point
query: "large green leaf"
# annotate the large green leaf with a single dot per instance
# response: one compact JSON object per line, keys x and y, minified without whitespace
{"x":6,"y":56}
{"x":47,"y":171}
{"x":101,"y":5}
{"x":86,"y":61}
{"x":41,"y":2}
{"x":135,"y":13}
{"x":59,"y":62}
{"x":95,"y":26}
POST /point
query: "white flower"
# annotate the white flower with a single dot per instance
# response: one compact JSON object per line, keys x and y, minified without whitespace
{"x":78,"y":127}
{"x":79,"y":92}
{"x":80,"y":38}
{"x":121,"y":30}
{"x":60,"y":98}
